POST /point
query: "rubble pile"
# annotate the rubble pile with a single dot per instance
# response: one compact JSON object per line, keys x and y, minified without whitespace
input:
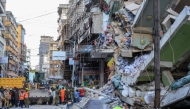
{"x":129,"y":45}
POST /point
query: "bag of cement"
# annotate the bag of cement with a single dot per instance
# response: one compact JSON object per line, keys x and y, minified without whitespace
{"x":131,"y":92}
{"x":181,"y":82}
{"x":149,"y":97}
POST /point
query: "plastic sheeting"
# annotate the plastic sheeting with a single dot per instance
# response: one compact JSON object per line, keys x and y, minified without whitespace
{"x":180,"y":83}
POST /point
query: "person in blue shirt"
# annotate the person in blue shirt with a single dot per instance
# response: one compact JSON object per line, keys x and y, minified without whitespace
{"x":77,"y":95}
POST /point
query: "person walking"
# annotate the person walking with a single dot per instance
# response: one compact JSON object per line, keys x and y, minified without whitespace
{"x":26,"y":98}
{"x":16,"y":97}
{"x":21,"y":98}
{"x":62,"y":93}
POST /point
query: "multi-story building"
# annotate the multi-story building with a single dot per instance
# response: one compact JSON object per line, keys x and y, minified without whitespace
{"x":21,"y":47}
{"x":28,"y":60}
{"x":2,"y":37}
{"x":53,"y":65}
{"x":116,"y":37}
{"x":11,"y":41}
{"x":43,"y":49}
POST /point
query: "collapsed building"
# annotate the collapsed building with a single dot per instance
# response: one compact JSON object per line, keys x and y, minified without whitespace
{"x":114,"y":48}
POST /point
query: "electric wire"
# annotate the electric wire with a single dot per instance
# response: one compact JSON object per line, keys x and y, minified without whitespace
{"x":37,"y":17}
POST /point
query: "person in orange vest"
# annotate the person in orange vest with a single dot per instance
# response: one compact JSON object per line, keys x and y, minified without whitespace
{"x":21,"y":98}
{"x":62,"y":93}
{"x":26,"y":98}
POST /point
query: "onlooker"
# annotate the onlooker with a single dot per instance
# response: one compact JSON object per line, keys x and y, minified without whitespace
{"x":77,"y":94}
{"x":54,"y":96}
{"x":12,"y":93}
{"x":82,"y":91}
{"x":7,"y":97}
{"x":16,"y":97}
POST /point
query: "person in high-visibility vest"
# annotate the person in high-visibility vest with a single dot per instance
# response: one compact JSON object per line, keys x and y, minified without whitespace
{"x":26,"y":98}
{"x":62,"y":93}
{"x":21,"y":98}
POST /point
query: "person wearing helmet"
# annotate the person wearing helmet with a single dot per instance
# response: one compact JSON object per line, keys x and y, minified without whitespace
{"x":26,"y":98}
{"x":21,"y":98}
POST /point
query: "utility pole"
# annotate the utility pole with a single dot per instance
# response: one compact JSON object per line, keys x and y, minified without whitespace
{"x":73,"y":65}
{"x":157,"y":53}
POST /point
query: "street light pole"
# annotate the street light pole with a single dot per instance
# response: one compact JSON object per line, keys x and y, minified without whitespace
{"x":7,"y":68}
{"x":73,"y":65}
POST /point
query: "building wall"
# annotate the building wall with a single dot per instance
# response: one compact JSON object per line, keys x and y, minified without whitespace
{"x":43,"y":49}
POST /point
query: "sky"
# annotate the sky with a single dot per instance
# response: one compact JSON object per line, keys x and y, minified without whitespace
{"x":27,"y":13}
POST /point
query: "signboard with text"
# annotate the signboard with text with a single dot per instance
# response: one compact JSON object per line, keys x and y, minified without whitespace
{"x":3,"y":60}
{"x":58,"y":55}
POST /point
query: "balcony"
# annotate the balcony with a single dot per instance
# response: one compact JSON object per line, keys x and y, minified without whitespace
{"x":53,"y":48}
{"x":12,"y":50}
{"x":53,"y":69}
{"x":2,"y":11}
{"x":12,"y":62}
{"x":8,"y":35}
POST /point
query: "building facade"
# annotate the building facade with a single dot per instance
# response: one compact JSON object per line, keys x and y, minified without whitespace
{"x":2,"y":37}
{"x":114,"y":41}
{"x":43,"y":49}
{"x":28,"y":60}
{"x":21,"y":48}
{"x":11,"y":41}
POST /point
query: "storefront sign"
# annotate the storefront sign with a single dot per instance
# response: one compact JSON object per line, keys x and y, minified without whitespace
{"x":3,"y":60}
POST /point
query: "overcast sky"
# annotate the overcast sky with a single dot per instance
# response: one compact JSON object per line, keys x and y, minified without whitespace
{"x":25,"y":12}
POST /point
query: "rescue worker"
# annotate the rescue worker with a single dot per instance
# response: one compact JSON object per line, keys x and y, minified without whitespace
{"x":7,"y":98}
{"x":21,"y":98}
{"x":62,"y":93}
{"x":26,"y":98}
{"x":57,"y":95}
{"x":16,"y":97}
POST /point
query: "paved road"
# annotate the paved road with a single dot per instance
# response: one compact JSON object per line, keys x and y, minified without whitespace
{"x":95,"y":104}
{"x":42,"y":107}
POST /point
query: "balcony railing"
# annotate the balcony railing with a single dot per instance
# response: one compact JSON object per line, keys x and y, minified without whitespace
{"x":12,"y":50}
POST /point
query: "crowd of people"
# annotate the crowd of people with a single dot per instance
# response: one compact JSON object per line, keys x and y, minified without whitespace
{"x":13,"y":97}
{"x":64,"y":95}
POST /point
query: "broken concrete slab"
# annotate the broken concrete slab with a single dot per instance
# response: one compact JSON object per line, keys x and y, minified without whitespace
{"x":167,"y":78}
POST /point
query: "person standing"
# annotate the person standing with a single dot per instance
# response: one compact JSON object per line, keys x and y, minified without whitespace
{"x":50,"y":93}
{"x":12,"y":93}
{"x":1,"y":99}
{"x":16,"y":97}
{"x":26,"y":98}
{"x":54,"y":96}
{"x":7,"y":98}
{"x":77,"y":94}
{"x":62,"y":93}
{"x":21,"y":98}
{"x":57,"y":96}
{"x":82,"y":91}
